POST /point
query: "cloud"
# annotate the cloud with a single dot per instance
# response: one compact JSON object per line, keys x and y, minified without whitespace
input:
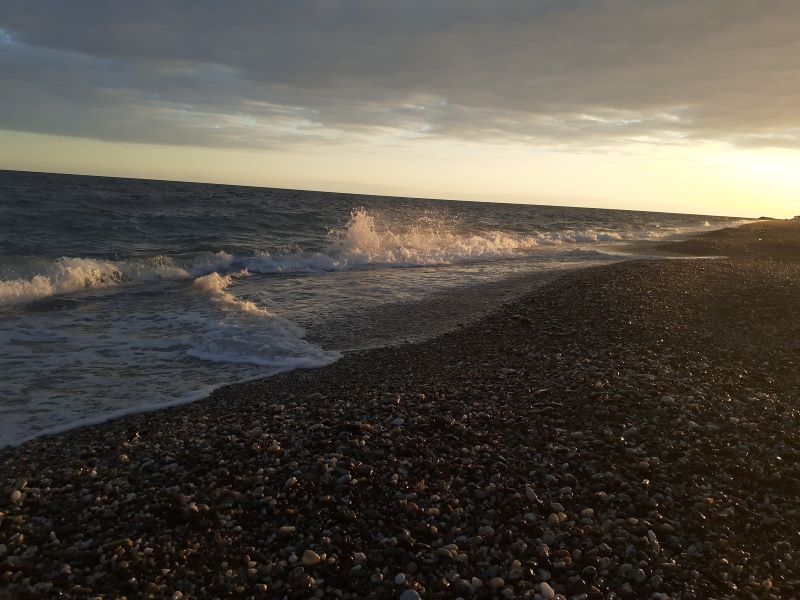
{"x":564,"y":73}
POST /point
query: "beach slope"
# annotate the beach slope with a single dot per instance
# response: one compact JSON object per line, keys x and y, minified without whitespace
{"x":770,"y":239}
{"x":628,"y":429}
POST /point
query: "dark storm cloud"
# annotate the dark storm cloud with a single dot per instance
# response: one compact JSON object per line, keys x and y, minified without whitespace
{"x":255,"y":74}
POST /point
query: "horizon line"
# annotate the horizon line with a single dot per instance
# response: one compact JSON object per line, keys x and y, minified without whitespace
{"x":320,"y":191}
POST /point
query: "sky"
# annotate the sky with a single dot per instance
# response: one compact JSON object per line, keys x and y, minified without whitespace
{"x":673,"y":105}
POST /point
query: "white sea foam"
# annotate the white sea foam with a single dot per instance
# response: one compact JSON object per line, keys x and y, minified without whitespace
{"x":217,"y":284}
{"x":213,"y":282}
{"x":250,"y":334}
{"x":132,"y":354}
{"x":42,"y":278}
{"x":62,"y":276}
{"x":211,"y":262}
{"x":363,"y":241}
{"x":271,"y":342}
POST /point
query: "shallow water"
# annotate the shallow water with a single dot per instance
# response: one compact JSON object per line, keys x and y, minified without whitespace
{"x":120,"y":295}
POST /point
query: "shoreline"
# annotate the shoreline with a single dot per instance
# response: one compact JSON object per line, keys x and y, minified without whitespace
{"x":438,"y":314}
{"x":770,"y":239}
{"x":505,"y":454}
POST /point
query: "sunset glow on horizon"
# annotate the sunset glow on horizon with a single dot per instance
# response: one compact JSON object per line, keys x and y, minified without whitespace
{"x":673,"y":106}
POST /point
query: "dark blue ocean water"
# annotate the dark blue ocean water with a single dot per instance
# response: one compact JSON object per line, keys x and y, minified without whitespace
{"x":121,"y":295}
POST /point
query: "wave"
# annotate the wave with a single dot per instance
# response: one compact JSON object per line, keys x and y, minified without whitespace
{"x":140,"y":353}
{"x":364,"y":241}
{"x":41,"y":278}
{"x":217,"y":284}
{"x":250,"y":334}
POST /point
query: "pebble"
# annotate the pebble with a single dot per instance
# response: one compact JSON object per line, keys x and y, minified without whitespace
{"x":548,"y":593}
{"x":286,"y":530}
{"x":16,"y":496}
{"x":410,"y":595}
{"x":496,"y":583}
{"x":468,"y":490}
{"x":443,"y":553}
{"x":530,"y":494}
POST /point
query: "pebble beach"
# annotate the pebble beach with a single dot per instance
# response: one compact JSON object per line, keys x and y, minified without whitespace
{"x":624,"y":431}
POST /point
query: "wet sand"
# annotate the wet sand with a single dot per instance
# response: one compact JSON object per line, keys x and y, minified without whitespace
{"x":623,"y":431}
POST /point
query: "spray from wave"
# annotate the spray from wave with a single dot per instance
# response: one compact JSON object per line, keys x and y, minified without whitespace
{"x":217,"y":284}
{"x":364,"y":241}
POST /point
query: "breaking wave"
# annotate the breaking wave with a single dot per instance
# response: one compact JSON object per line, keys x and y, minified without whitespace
{"x":250,"y":334}
{"x":32,"y":278}
{"x":363,"y":241}
{"x":216,"y":284}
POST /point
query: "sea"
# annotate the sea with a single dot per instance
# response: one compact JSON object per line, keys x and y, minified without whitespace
{"x":121,"y":295}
